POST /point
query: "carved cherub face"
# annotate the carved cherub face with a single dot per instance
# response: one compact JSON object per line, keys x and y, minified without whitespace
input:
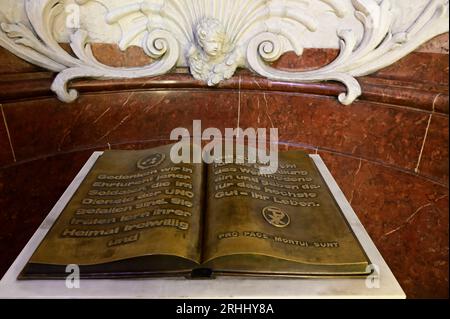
{"x":212,"y":46}
{"x":211,"y":37}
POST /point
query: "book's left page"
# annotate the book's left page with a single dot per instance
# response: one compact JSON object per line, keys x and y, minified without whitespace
{"x":135,"y":214}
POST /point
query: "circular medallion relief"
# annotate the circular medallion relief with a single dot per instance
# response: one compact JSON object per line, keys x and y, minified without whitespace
{"x":151,"y":161}
{"x":276,"y":217}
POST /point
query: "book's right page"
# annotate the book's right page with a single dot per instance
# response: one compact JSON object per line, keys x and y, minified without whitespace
{"x":285,"y":224}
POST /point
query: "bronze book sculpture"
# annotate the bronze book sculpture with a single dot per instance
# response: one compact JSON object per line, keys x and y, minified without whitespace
{"x":137,"y":214}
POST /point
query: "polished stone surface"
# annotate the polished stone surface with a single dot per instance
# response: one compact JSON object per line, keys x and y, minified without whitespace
{"x":100,"y":120}
{"x":373,"y":131}
{"x":435,"y":160}
{"x":419,"y":67}
{"x":437,"y":45}
{"x":406,"y":216}
{"x":6,"y":155}
{"x":27,"y":193}
{"x":393,"y":135}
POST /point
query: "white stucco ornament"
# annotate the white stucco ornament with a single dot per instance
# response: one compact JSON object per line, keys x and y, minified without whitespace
{"x":215,"y":37}
{"x":212,"y":57}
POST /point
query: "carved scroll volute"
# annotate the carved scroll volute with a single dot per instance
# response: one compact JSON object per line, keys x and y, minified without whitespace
{"x":42,"y":49}
{"x":215,"y":37}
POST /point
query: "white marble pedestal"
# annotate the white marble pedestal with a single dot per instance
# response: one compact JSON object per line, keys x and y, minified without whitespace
{"x":384,"y":285}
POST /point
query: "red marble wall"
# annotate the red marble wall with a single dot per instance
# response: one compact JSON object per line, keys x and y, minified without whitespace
{"x":388,"y":154}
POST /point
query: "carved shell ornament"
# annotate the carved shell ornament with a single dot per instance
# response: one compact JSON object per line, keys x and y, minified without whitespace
{"x":215,"y":37}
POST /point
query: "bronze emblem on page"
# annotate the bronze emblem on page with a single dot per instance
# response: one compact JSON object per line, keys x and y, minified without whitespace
{"x":151,"y":161}
{"x":276,"y":217}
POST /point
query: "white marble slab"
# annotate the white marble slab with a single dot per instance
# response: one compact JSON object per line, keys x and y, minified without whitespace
{"x":10,"y":287}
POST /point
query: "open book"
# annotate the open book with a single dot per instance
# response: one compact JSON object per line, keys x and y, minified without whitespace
{"x":137,"y":214}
